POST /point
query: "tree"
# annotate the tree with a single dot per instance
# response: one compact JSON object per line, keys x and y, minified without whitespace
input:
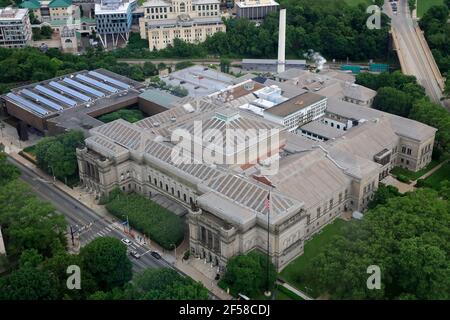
{"x":166,"y":284}
{"x":29,"y":223}
{"x":149,"y":69}
{"x":58,"y":264}
{"x":107,"y":261}
{"x":383,"y":194}
{"x":225,"y":65}
{"x":57,"y":155}
{"x":444,"y":189}
{"x":434,"y":115}
{"x":8,"y":172}
{"x":405,"y":237}
{"x":393,"y":101}
{"x":160,"y":224}
{"x":247,"y":274}
{"x":28,"y":283}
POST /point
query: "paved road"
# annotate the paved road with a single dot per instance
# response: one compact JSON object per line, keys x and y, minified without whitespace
{"x":414,"y":56}
{"x":77,"y":214}
{"x":81,"y":217}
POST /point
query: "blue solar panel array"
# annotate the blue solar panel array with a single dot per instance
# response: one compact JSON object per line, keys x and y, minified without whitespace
{"x":109,"y":79}
{"x":41,"y":99}
{"x":55,"y":95}
{"x":27,"y":104}
{"x":83,"y":87}
{"x":96,"y":83}
{"x":69,"y":91}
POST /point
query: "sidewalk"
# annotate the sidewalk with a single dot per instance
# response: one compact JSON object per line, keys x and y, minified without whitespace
{"x":177,"y":262}
{"x":296,"y":291}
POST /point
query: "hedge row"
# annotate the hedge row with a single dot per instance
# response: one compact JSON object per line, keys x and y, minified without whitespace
{"x":146,"y":216}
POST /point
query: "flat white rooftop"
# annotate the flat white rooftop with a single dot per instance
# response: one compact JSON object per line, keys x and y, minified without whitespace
{"x":10,"y":14}
{"x":256,"y":3}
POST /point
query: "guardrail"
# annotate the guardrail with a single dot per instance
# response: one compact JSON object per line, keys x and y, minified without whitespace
{"x":436,"y":72}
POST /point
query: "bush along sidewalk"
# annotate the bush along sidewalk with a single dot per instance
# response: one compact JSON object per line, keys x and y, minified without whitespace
{"x":147,"y":217}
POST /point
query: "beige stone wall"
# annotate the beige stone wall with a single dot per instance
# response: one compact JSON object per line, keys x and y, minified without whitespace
{"x":161,"y":38}
{"x":414,"y":155}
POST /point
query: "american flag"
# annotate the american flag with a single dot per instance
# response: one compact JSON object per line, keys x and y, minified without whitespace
{"x":267,"y":201}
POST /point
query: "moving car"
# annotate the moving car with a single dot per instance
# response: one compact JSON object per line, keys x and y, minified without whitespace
{"x":135,"y":254}
{"x":156,"y":254}
{"x":126,"y":242}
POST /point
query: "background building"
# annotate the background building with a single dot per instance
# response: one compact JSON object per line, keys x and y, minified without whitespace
{"x":15,"y":28}
{"x":72,"y":101}
{"x":255,"y":9}
{"x":188,"y":20}
{"x":315,"y":183}
{"x":296,"y":111}
{"x":51,"y":10}
{"x":198,"y":80}
{"x":114,"y":19}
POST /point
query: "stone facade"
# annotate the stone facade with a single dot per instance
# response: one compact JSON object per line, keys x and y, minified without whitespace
{"x":189,"y":20}
{"x":315,"y":182}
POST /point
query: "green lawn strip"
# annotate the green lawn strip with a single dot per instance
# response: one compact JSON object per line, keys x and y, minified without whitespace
{"x":424,"y":5}
{"x":295,"y":270}
{"x":443,"y":173}
{"x":148,"y":217}
{"x":130,"y":115}
{"x":411,"y":175}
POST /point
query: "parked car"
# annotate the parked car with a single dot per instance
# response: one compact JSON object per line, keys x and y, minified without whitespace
{"x":156,"y":254}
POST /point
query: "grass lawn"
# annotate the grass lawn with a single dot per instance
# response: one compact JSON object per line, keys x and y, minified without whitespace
{"x":443,"y":173}
{"x":415,"y":175}
{"x":424,"y":5}
{"x":130,"y":115}
{"x":295,"y":269}
{"x":356,"y":2}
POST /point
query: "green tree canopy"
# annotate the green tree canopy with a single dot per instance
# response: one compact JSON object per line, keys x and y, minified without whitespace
{"x":8,"y":171}
{"x":247,"y":274}
{"x":57,"y":155}
{"x":107,"y":261}
{"x":407,"y":237}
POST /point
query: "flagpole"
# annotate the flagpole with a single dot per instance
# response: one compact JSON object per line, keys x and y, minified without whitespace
{"x":268,"y":293}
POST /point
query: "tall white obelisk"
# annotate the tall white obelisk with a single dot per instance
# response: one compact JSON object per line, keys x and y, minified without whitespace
{"x":281,"y":66}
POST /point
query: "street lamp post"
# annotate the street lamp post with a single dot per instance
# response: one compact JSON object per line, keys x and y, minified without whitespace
{"x":175,"y":249}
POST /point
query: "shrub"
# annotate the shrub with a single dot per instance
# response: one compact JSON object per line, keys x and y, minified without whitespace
{"x":161,"y":225}
{"x":403,"y":178}
{"x":422,"y":183}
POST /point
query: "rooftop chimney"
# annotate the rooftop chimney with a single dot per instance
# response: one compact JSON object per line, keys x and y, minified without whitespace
{"x":282,"y":42}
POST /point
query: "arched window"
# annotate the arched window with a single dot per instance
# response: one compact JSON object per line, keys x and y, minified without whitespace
{"x":182,"y":7}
